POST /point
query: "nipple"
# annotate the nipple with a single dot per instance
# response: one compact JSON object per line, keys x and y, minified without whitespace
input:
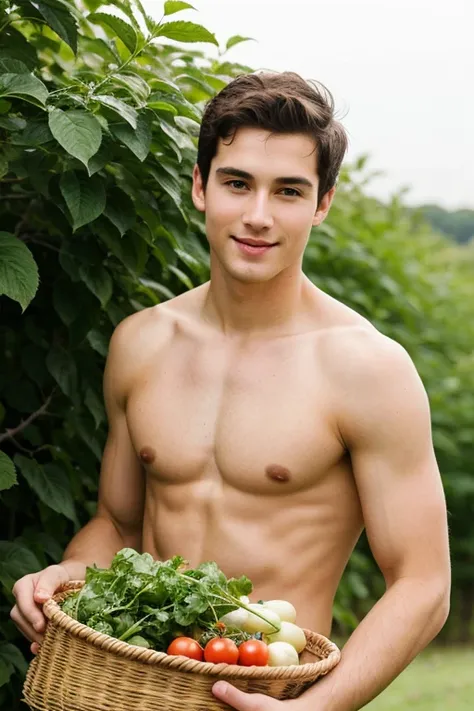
{"x":278,"y":473}
{"x":147,"y":455}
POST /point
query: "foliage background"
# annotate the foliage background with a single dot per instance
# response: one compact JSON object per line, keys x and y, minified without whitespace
{"x":99,"y":114}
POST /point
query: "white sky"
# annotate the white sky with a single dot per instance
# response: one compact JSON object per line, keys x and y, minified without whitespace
{"x":401,"y":72}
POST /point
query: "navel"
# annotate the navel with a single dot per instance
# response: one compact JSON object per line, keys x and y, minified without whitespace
{"x":278,"y":473}
{"x":147,"y":455}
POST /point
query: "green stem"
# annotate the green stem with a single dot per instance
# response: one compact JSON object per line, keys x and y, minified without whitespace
{"x":136,"y":627}
{"x":129,"y":604}
{"x":78,"y":601}
{"x":128,"y":61}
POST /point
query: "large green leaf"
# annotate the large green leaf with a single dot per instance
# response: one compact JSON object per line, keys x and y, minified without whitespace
{"x":117,"y":27}
{"x":15,"y":46}
{"x":85,"y":197}
{"x":18,"y":271}
{"x":172,"y":6}
{"x":120,"y":210}
{"x":98,"y":280}
{"x":98,"y":342}
{"x":7,"y":472}
{"x":35,"y":133}
{"x":24,"y":86}
{"x":138,"y":140}
{"x":164,"y":85}
{"x":62,"y":367}
{"x":124,"y":110}
{"x":51,"y":484}
{"x":169,"y":185}
{"x":186,"y":32}
{"x":129,"y":249}
{"x":135,"y":85}
{"x":103,"y":156}
{"x":59,"y":19}
{"x":78,"y":132}
{"x":99,"y":46}
{"x":163,"y":106}
{"x":8,"y":65}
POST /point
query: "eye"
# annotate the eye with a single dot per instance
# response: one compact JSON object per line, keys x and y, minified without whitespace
{"x":293,"y":192}
{"x":237,"y":184}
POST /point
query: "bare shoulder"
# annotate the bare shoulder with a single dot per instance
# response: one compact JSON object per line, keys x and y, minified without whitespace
{"x":371,"y":376}
{"x":359,"y":354}
{"x":376,"y":384}
{"x":147,"y":330}
{"x":141,"y":337}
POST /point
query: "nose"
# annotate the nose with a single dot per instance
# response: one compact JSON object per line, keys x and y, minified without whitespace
{"x":257,"y":213}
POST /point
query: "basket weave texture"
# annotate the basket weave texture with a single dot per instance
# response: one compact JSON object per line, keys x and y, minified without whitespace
{"x":78,"y":669}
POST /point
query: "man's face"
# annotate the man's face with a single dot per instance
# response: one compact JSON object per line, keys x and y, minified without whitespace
{"x":260,"y":202}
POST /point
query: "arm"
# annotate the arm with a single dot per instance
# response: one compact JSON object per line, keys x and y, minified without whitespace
{"x":386,"y":426}
{"x":118,"y":520}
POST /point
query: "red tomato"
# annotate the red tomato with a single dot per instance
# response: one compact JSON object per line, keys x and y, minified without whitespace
{"x":253,"y":652}
{"x":221,"y":649}
{"x":186,"y":647}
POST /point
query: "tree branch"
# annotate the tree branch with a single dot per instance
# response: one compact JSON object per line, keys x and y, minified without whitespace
{"x":10,"y":434}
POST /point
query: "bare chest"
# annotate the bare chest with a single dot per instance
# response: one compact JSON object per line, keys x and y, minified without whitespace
{"x":257,"y":419}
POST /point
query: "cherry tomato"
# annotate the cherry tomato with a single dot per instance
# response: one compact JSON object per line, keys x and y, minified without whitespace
{"x":186,"y":647}
{"x":253,"y":652}
{"x":221,"y":649}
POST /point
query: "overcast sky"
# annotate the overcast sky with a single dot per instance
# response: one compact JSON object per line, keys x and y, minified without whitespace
{"x":401,"y":72}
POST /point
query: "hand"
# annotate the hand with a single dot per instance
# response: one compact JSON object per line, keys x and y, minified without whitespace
{"x":31,"y":592}
{"x":250,"y":702}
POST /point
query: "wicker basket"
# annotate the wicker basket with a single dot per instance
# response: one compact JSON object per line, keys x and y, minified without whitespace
{"x":78,"y":669}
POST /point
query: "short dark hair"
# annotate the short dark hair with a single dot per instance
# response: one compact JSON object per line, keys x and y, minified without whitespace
{"x":281,"y":103}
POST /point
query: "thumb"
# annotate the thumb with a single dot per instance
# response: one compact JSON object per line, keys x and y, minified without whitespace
{"x":239,"y":699}
{"x":49,"y":581}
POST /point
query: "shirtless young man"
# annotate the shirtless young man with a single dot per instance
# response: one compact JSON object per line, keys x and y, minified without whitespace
{"x":260,"y":423}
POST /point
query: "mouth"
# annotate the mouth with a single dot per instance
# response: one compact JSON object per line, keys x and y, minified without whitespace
{"x":253,"y":246}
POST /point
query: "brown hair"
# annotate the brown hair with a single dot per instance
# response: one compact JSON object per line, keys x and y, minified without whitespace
{"x":281,"y":103}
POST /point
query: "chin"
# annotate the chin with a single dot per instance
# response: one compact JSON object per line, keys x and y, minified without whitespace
{"x":246,"y":275}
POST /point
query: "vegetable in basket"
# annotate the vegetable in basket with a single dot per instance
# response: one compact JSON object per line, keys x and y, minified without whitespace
{"x":198,"y":613}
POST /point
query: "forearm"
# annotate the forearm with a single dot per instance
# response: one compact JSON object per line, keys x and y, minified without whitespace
{"x":96,"y":543}
{"x":403,"y":622}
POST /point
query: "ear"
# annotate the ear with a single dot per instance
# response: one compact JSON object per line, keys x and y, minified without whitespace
{"x":198,"y":194}
{"x":323,"y":207}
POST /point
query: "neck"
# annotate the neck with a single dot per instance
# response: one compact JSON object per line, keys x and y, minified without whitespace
{"x":240,"y":308}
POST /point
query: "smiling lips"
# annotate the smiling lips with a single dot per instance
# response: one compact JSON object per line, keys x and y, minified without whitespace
{"x":253,"y":246}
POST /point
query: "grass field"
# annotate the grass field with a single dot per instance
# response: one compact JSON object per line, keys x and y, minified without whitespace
{"x":438,"y":680}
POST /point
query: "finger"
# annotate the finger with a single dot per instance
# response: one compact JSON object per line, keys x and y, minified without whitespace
{"x":239,"y":699}
{"x":24,"y":626}
{"x":48,"y":582}
{"x":35,"y":648}
{"x":26,"y":605}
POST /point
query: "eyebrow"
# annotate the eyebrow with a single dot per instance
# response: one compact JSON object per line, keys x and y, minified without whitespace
{"x":290,"y":180}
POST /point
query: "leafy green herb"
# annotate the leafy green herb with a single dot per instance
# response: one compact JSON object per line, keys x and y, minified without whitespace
{"x":148,"y":602}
